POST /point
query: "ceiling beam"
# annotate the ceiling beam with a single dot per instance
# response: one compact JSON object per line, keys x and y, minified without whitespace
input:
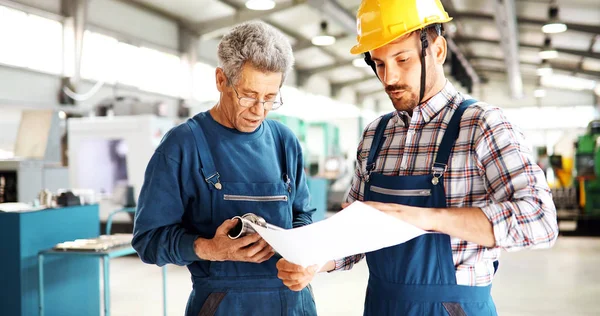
{"x":241,"y":15}
{"x":300,"y":38}
{"x":503,"y":71}
{"x":529,"y":45}
{"x":313,"y":71}
{"x":553,"y":64}
{"x":590,"y":49}
{"x":305,"y":43}
{"x":449,"y":6}
{"x":585,"y":28}
{"x":146,"y":7}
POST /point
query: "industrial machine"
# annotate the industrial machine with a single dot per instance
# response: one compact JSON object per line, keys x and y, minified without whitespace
{"x":35,"y":164}
{"x":587,"y":166}
{"x":109,"y":155}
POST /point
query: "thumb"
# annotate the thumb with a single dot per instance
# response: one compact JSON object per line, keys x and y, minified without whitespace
{"x":345,"y":204}
{"x":313,"y":269}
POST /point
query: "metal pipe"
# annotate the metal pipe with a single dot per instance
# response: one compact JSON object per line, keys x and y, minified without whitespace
{"x":506,"y":22}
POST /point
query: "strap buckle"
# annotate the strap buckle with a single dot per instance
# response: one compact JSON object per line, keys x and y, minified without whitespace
{"x":211,"y":180}
{"x":438,"y":171}
{"x":369,"y":168}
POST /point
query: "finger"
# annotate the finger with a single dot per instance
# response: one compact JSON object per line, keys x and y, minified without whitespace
{"x":266,"y":257}
{"x":259,"y":250}
{"x":284,"y":265}
{"x":297,"y":287}
{"x":291,"y":276}
{"x":247,"y":240}
{"x":345,"y":204}
{"x":226,"y":226}
{"x":290,"y":283}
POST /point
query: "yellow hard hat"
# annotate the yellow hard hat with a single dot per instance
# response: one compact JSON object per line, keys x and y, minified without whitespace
{"x":379,"y":22}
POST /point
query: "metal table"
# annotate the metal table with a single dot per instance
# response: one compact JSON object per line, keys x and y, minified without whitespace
{"x":105,"y":256}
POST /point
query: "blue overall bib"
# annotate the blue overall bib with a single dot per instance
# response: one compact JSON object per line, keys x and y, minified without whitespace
{"x":243,"y":288}
{"x":418,"y":277}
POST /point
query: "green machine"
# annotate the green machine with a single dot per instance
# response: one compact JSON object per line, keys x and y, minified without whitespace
{"x":298,"y":126}
{"x":587,"y":168}
{"x":316,"y":186}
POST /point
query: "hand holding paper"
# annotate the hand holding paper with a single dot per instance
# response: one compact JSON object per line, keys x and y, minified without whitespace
{"x":358,"y":228}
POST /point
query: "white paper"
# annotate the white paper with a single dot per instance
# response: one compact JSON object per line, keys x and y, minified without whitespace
{"x":357,"y":229}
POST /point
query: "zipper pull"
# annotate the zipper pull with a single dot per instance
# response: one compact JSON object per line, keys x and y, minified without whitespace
{"x":286,"y":178}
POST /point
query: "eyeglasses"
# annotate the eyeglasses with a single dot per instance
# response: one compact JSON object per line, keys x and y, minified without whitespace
{"x":250,"y":102}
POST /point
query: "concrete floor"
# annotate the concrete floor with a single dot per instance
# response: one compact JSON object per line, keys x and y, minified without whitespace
{"x":562,"y":281}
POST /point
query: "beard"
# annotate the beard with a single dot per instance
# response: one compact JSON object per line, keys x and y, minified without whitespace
{"x":406,"y":101}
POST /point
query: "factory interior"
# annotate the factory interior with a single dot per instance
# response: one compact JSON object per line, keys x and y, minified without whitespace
{"x":90,"y":88}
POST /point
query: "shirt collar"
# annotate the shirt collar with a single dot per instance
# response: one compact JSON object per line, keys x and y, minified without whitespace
{"x":448,"y":96}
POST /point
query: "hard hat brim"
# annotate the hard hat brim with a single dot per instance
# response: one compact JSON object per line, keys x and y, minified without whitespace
{"x":363,"y":48}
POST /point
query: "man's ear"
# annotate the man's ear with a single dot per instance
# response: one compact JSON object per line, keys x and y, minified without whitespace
{"x":221,"y":79}
{"x":440,"y":50}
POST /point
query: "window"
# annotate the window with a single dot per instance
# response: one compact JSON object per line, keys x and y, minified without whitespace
{"x":98,"y":61}
{"x":161,"y":72}
{"x":30,"y":41}
{"x":205,"y":87}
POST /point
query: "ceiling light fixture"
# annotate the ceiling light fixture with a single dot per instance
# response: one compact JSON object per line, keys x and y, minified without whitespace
{"x":545,"y":69}
{"x":554,"y":25}
{"x":323,"y":38}
{"x":260,"y":5}
{"x":547,"y":51}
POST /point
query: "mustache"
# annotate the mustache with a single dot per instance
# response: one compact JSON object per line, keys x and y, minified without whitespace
{"x":394,"y":88}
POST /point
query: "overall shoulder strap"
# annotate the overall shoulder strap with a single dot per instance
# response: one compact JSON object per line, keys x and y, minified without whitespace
{"x":378,"y":140}
{"x":450,"y":136}
{"x":280,"y":144}
{"x":209,"y":171}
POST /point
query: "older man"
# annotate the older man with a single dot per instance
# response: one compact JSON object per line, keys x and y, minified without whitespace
{"x":226,"y":162}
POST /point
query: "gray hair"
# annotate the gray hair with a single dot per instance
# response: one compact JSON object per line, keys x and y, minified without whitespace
{"x":258,"y":43}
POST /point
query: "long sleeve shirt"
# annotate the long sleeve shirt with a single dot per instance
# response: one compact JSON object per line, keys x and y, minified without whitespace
{"x":490,"y":167}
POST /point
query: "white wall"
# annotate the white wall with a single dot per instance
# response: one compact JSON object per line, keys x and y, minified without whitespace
{"x":26,"y":85}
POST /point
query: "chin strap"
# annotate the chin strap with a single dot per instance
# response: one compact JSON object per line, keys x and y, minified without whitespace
{"x":424,"y":46}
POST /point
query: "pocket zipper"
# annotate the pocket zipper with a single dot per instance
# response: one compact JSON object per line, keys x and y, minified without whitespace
{"x":273,"y":198}
{"x":417,"y":192}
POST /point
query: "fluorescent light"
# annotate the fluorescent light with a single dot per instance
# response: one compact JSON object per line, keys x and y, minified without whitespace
{"x":544,"y":71}
{"x":568,"y":82}
{"x":539,"y":93}
{"x":359,"y":63}
{"x":552,"y":28}
{"x":548,"y":54}
{"x":323,"y":40}
{"x":260,"y":5}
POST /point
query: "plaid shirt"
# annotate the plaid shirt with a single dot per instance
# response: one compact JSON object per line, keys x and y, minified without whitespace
{"x":490,"y":167}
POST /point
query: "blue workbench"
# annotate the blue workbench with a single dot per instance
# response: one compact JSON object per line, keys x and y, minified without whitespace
{"x":71,"y":283}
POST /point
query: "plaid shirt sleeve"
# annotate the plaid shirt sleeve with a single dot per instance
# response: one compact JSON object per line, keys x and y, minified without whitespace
{"x":522,"y":212}
{"x":355,"y":194}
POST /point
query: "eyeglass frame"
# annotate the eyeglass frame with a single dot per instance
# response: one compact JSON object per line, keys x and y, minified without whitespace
{"x":255,"y":101}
